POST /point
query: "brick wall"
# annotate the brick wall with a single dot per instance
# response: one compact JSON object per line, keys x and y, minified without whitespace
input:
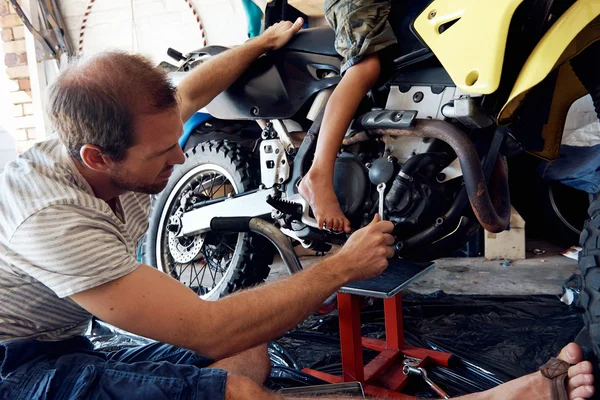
{"x":15,"y":64}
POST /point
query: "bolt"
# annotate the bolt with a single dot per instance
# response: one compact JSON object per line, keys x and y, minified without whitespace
{"x":254,"y":110}
{"x":280,"y":180}
{"x":432,"y":14}
{"x":391,"y":159}
{"x":441,"y":177}
{"x":418,"y":97}
{"x":276,"y":151}
{"x":172,"y":228}
{"x":399,"y":246}
{"x":290,"y":150}
{"x":368,"y":165}
{"x":439,"y":221}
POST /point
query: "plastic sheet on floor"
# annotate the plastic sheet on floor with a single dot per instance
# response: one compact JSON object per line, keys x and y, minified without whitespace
{"x":495,"y":338}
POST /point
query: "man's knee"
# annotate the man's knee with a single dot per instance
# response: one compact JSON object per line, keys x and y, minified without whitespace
{"x":240,"y":387}
{"x":263,"y":359}
{"x":260,"y":363}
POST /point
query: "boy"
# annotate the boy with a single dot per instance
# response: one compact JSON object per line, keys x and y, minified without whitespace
{"x":361,"y":30}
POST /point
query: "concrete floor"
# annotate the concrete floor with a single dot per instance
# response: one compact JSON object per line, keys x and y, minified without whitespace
{"x":539,"y":274}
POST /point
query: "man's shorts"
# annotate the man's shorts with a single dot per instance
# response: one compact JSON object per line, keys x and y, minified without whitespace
{"x":361,"y":28}
{"x":71,"y":369}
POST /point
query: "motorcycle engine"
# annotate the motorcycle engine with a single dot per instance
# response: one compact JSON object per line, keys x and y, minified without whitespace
{"x":351,"y":185}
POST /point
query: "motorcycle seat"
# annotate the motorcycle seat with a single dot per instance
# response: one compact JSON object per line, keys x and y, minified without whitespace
{"x":314,"y":40}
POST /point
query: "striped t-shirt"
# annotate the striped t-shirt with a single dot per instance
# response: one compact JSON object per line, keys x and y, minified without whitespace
{"x":58,"y":239}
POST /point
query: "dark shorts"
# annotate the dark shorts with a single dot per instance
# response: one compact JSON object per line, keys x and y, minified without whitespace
{"x":71,"y":369}
{"x":361,"y":28}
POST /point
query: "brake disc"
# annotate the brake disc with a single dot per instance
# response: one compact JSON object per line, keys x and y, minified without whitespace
{"x":183,"y":249}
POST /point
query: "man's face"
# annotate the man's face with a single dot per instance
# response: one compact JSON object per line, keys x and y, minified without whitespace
{"x":148,"y":163}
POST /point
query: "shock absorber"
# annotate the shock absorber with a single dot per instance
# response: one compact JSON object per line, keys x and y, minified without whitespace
{"x":587,"y":67}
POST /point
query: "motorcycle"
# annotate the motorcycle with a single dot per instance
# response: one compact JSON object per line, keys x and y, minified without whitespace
{"x":473,"y":83}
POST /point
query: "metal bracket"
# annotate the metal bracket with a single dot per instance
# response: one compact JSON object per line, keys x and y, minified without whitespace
{"x":284,"y":135}
{"x":274,"y":165}
{"x":388,"y":119}
{"x":466,"y":111}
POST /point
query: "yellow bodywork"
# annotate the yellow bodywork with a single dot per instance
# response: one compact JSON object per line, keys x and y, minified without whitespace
{"x":568,"y":88}
{"x":471,"y":50}
{"x":575,"y":30}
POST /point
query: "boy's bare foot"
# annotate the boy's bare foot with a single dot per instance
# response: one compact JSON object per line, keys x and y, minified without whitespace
{"x":536,"y":387}
{"x":318,"y":191}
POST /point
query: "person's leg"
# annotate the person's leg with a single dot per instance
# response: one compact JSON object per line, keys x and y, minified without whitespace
{"x":536,"y":387}
{"x":254,"y":364}
{"x":317,"y":186}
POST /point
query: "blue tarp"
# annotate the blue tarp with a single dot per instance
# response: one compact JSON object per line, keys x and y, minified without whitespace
{"x":576,"y":166}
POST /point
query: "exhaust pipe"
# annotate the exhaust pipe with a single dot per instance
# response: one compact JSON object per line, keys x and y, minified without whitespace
{"x":263,"y":228}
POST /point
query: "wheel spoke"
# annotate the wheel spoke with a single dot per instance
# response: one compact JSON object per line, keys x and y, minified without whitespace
{"x":212,"y":184}
{"x":203,"y":274}
{"x":180,"y":274}
{"x":217,"y":189}
{"x":196,"y":276}
{"x":210,"y":267}
{"x":228,"y":246}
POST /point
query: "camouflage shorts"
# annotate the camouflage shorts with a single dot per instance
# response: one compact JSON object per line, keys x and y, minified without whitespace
{"x":361,"y":28}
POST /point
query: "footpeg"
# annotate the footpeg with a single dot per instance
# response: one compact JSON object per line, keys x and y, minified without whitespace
{"x":286,"y":207}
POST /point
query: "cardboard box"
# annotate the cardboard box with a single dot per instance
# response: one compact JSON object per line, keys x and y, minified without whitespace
{"x":509,"y":244}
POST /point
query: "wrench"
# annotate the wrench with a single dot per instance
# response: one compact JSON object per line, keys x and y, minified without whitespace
{"x":408,"y":370}
{"x":381,"y":190}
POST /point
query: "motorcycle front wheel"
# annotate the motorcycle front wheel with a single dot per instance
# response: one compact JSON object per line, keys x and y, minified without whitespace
{"x":210,"y":264}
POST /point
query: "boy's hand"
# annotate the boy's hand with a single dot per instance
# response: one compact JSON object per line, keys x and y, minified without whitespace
{"x":277,"y":35}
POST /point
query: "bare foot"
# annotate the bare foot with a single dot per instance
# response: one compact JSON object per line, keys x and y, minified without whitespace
{"x":318,"y":191}
{"x":536,"y":387}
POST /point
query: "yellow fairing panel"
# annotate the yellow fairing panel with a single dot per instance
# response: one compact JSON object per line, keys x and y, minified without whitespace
{"x":471,"y":50}
{"x":576,"y":29}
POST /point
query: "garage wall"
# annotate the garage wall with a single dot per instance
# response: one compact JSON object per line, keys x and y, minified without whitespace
{"x":154,"y":25}
{"x":7,"y":148}
{"x":17,"y":114}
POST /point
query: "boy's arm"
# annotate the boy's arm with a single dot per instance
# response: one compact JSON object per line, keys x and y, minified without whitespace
{"x":212,"y":77}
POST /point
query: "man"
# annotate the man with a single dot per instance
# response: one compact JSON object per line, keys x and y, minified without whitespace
{"x":73,"y":210}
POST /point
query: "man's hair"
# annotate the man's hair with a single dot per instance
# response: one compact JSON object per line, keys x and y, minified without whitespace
{"x":95,"y":101}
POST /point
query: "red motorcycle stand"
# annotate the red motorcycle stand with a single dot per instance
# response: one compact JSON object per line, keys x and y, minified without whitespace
{"x":383,"y":376}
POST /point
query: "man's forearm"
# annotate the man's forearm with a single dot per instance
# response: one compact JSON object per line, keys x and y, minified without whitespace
{"x":215,"y":75}
{"x":255,"y":316}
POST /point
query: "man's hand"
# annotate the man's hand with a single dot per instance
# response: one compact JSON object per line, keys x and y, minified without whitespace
{"x":365,"y":254}
{"x":280,"y":33}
